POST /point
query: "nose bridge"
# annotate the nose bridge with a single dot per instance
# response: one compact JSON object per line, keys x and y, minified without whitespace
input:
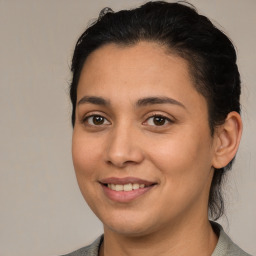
{"x":123,"y":145}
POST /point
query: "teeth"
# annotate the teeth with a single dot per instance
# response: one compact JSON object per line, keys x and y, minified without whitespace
{"x":125,"y":187}
{"x":135,"y":186}
{"x":128,"y":187}
{"x":119,"y":188}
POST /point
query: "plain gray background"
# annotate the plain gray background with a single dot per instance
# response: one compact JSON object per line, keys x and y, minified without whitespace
{"x":41,"y":210}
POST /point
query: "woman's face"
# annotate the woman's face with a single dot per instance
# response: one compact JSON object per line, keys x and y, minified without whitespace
{"x":142,"y":148}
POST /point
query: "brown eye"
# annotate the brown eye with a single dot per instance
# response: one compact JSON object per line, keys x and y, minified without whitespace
{"x":96,"y":120}
{"x":158,"y":120}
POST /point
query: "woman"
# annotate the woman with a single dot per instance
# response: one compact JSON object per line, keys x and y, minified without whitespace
{"x":155,"y":96}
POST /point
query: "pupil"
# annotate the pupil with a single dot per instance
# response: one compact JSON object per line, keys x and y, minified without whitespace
{"x":98,"y":120}
{"x":159,"y":120}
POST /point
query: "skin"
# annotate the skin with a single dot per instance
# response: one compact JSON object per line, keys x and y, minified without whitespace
{"x":178,"y":155}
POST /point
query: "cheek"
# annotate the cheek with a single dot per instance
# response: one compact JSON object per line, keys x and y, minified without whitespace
{"x":85,"y":154}
{"x":184,"y":157}
{"x":185,"y":171}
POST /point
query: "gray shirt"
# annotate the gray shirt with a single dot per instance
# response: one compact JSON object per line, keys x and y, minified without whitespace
{"x":224,"y":247}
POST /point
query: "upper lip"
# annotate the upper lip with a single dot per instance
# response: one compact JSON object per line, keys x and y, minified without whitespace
{"x":126,"y":180}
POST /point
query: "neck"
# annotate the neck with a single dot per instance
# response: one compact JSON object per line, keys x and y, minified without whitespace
{"x":192,"y":238}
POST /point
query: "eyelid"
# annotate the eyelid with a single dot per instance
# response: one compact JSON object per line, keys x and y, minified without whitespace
{"x":148,"y":116}
{"x":155,"y":114}
{"x":93,"y":114}
{"x":161,"y":114}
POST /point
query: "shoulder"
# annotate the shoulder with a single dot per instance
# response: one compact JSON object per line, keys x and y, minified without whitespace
{"x":90,"y":250}
{"x":225,"y":246}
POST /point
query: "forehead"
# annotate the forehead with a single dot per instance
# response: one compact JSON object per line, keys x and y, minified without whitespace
{"x":142,"y":63}
{"x":142,"y":54}
{"x":146,"y":69}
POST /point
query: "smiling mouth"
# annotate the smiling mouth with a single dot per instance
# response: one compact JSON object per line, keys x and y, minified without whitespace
{"x":125,"y":187}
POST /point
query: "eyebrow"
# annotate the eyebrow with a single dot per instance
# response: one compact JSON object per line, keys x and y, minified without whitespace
{"x":140,"y":103}
{"x":93,"y":100}
{"x":158,"y":100}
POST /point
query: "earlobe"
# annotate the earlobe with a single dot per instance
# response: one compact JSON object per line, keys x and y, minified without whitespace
{"x":227,"y":139}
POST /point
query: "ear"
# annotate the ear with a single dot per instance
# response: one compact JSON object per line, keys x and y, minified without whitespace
{"x":227,"y":138}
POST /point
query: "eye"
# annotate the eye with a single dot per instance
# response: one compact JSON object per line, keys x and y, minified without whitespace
{"x":96,"y":120}
{"x":158,"y":120}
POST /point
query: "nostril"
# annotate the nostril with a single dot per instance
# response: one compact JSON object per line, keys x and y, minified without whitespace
{"x":129,"y":162}
{"x":120,"y":163}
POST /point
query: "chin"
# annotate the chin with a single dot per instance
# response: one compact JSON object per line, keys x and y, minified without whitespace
{"x":134,"y":226}
{"x":128,"y":231}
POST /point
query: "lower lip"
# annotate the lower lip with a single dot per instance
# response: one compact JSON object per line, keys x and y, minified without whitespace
{"x":125,"y":196}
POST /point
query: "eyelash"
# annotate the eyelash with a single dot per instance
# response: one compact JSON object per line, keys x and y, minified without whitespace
{"x":164,"y":118}
{"x":85,"y":120}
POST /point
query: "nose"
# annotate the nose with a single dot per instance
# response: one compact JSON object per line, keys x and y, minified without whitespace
{"x":123,"y":147}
